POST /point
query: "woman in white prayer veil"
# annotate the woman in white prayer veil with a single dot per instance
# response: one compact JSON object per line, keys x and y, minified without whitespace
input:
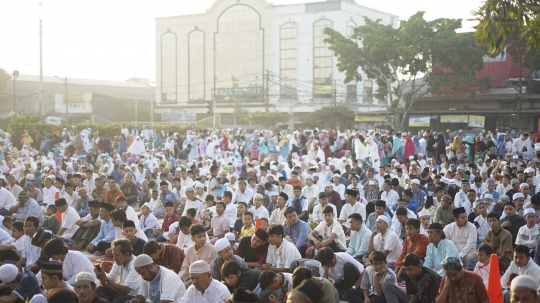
{"x":211,"y":149}
{"x":16,"y":172}
{"x":360,"y":150}
{"x":24,"y":152}
{"x":137,"y":147}
{"x":86,"y":143}
{"x":373,"y":153}
{"x":4,"y":167}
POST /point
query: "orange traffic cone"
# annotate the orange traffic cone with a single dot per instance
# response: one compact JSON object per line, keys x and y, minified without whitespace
{"x":494,"y":288}
{"x":58,"y":214}
{"x":257,"y":224}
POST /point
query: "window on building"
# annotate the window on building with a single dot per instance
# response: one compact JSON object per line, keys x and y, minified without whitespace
{"x":196,"y":65}
{"x":239,"y":52}
{"x":168,"y":68}
{"x":368,"y":88}
{"x":351,"y":25}
{"x":322,"y":61}
{"x":288,"y":59}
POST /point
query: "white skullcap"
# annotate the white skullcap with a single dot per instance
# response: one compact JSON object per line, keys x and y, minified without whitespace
{"x":199,"y":185}
{"x":8,"y":273}
{"x":199,"y":267}
{"x":371,"y":183}
{"x":249,"y":170}
{"x":524,"y":281}
{"x":221,"y":244}
{"x":258,"y":196}
{"x":309,"y":177}
{"x":85,"y":276}
{"x":522,"y":185}
{"x":452,"y":182}
{"x":529,"y":210}
{"x":316,"y":175}
{"x":336,"y":175}
{"x":274,"y":193}
{"x":423,"y":213}
{"x":488,"y":196}
{"x":517,"y":196}
{"x":142,"y":260}
{"x":415,"y":181}
{"x":82,"y":188}
{"x":384,"y":218}
{"x":411,"y":157}
{"x":147,"y":204}
{"x":230,"y":236}
{"x":515,"y":157}
{"x":273,"y":167}
{"x":234,"y":176}
{"x":189,"y":188}
{"x":30,"y":177}
{"x":527,"y":170}
{"x":420,"y":155}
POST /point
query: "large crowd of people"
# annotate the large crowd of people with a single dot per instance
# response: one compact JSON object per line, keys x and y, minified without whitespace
{"x":238,"y":215}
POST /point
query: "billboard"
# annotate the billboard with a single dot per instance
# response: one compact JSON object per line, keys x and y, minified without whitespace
{"x":370,"y":118}
{"x":419,"y":121}
{"x":454,"y":118}
{"x":175,"y":115}
{"x":477,"y":121}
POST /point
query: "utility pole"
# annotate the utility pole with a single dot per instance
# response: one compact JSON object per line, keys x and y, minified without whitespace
{"x":42,"y":105}
{"x":15,"y":76}
{"x":152,"y":113}
{"x":267,"y":97}
{"x":136,"y":109}
{"x":214,"y":114}
{"x":334,"y":94}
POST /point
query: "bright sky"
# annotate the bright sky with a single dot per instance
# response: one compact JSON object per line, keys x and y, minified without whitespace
{"x":115,"y":40}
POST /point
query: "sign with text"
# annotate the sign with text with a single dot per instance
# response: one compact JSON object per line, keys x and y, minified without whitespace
{"x":419,"y":121}
{"x":237,"y":91}
{"x":477,"y":121}
{"x":176,"y":115}
{"x":454,"y":118}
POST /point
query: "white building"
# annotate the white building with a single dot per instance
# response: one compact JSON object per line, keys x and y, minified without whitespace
{"x":268,"y":57}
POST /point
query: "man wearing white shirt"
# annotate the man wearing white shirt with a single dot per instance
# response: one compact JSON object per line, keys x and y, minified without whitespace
{"x":193,"y":202}
{"x":90,"y":182}
{"x":185,"y":181}
{"x":317,"y":214}
{"x":69,"y":219}
{"x":355,"y":184}
{"x":351,"y":206}
{"x":70,"y":195}
{"x":389,"y":195}
{"x":49,"y":191}
{"x":285,"y":188}
{"x":280,"y":251}
{"x":464,"y":235}
{"x":522,"y":265}
{"x":7,"y":200}
{"x":258,"y":210}
{"x":385,"y":240}
{"x":342,"y":268}
{"x":311,"y":192}
{"x":242,"y":194}
{"x":158,"y":283}
{"x":230,"y":209}
{"x":338,"y":187}
{"x":328,"y":233}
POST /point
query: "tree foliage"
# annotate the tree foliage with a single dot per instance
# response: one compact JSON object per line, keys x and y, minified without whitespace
{"x":330,"y":117}
{"x":266,"y":120}
{"x":497,"y":19}
{"x":411,"y":61}
{"x":4,"y":78}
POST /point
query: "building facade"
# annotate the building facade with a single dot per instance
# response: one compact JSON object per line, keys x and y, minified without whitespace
{"x":268,"y":58}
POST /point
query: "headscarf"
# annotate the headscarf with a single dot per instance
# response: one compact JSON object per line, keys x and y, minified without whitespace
{"x":396,"y":146}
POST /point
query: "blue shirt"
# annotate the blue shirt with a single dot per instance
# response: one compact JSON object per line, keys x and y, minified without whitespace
{"x":496,"y":195}
{"x":298,"y":233}
{"x":358,"y":244}
{"x":419,"y":197}
{"x":30,"y":208}
{"x":29,"y":286}
{"x":107,"y":233}
{"x":435,"y":255}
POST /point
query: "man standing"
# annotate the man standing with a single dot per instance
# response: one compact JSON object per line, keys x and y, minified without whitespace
{"x":463,"y":234}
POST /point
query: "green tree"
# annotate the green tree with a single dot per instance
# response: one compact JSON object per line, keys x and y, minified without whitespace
{"x":497,"y":20}
{"x":330,"y":117}
{"x":411,"y":61}
{"x":4,"y":78}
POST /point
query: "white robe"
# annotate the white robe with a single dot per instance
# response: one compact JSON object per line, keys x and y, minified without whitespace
{"x":137,"y":147}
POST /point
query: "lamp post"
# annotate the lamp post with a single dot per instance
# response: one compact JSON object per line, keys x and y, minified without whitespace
{"x":15,"y":76}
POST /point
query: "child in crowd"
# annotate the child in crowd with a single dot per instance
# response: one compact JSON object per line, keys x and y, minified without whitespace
{"x":248,"y":229}
{"x":241,"y":208}
{"x":6,"y":223}
{"x":482,"y":267}
{"x":156,"y":205}
{"x":264,"y":224}
{"x":191,"y":213}
{"x":148,"y":221}
{"x":209,"y":212}
{"x":169,"y":218}
{"x":528,"y":234}
{"x":51,"y":223}
{"x":506,"y":292}
{"x":13,"y":249}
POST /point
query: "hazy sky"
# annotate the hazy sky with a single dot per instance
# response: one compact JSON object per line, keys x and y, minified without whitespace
{"x":114,"y":40}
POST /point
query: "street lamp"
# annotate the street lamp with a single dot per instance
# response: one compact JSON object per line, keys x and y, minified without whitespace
{"x":15,"y":76}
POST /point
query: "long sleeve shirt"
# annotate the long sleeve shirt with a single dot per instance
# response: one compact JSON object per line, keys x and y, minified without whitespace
{"x":417,"y":247}
{"x":435,"y":255}
{"x":444,"y":216}
{"x":149,"y":222}
{"x":517,"y":222}
{"x":463,"y":237}
{"x":206,"y":253}
{"x":167,"y":221}
{"x":501,"y":244}
{"x":30,"y":208}
{"x":358,"y":244}
{"x":298,"y":233}
{"x":106,"y":233}
{"x":531,"y":269}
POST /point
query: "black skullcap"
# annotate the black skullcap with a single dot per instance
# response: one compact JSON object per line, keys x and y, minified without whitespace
{"x":51,"y":267}
{"x":107,"y":206}
{"x":39,"y":236}
{"x":510,"y":203}
{"x":436,"y":226}
{"x":129,"y":223}
{"x":388,"y":182}
{"x":243,"y":295}
{"x":313,"y":169}
{"x":401,"y":212}
{"x":284,"y":196}
{"x":94,"y":204}
{"x":110,"y":178}
{"x":60,"y":180}
{"x":261,"y":234}
{"x":351,"y":192}
{"x":458,"y":211}
{"x":60,"y":202}
{"x":399,"y":170}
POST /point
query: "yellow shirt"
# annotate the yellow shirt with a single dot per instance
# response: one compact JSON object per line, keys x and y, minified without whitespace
{"x":245,"y":232}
